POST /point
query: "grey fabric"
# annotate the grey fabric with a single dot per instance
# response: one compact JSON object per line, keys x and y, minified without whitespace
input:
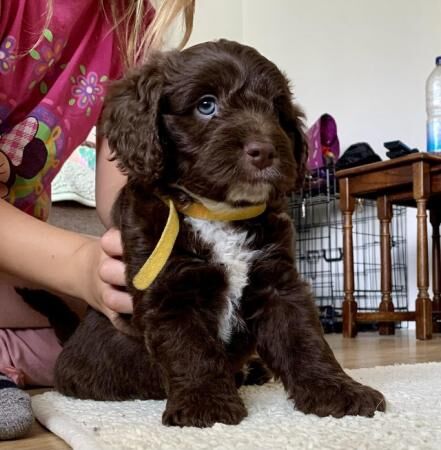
{"x":15,"y":410}
{"x":75,"y":217}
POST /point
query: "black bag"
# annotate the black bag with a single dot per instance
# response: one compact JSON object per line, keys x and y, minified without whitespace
{"x":357,"y":155}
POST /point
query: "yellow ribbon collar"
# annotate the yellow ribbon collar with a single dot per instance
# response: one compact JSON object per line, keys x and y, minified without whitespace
{"x":159,"y":257}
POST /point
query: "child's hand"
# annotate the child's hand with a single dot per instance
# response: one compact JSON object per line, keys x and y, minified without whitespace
{"x":105,"y":274}
{"x":112,"y":273}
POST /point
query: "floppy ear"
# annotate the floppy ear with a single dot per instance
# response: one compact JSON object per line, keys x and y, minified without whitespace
{"x":291,"y":119}
{"x":130,"y":121}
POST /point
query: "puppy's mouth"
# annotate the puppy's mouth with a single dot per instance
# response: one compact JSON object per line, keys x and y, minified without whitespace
{"x":238,"y":195}
{"x":249,"y":192}
{"x":234,"y":186}
{"x":255,"y":185}
{"x":249,"y":187}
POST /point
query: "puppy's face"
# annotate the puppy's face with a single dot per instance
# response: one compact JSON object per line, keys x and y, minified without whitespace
{"x":216,"y":120}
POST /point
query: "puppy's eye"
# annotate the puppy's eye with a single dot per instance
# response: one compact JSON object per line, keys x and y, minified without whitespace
{"x":207,"y":106}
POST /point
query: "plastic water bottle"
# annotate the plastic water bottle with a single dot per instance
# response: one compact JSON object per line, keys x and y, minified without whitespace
{"x":433,"y":108}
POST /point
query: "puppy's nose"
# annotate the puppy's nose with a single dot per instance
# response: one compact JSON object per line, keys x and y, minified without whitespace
{"x":260,"y":154}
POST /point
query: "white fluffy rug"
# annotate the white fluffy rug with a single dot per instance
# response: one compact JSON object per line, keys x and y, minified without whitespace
{"x":412,"y":420}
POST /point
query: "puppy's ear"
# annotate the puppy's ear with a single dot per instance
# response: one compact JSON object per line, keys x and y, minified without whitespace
{"x":291,"y":119}
{"x":130,"y":121}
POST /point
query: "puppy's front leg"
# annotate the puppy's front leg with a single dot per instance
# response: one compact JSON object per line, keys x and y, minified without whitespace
{"x":290,"y":340}
{"x":182,"y":335}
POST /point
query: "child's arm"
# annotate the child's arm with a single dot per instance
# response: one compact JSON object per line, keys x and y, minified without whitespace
{"x":58,"y":260}
{"x":109,"y":181}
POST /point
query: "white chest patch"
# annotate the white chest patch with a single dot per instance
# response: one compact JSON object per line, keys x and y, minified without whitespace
{"x":230,"y":248}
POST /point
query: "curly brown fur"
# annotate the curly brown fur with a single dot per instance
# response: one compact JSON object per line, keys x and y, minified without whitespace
{"x":228,"y":288}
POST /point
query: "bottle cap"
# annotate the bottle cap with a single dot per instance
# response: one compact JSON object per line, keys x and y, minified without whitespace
{"x":438,"y":60}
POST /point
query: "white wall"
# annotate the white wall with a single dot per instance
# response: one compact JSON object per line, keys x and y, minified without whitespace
{"x":213,"y":19}
{"x":216,"y":19}
{"x":363,"y":61}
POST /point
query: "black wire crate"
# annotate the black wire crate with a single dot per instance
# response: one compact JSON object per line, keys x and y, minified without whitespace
{"x":319,"y":250}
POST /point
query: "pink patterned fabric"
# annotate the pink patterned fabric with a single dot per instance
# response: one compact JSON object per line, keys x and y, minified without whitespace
{"x":14,"y":142}
{"x":51,"y":94}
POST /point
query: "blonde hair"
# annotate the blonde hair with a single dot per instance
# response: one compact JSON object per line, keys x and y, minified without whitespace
{"x":128,"y":18}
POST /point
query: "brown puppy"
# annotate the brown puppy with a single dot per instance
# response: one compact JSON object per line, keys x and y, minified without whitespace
{"x":215,"y":125}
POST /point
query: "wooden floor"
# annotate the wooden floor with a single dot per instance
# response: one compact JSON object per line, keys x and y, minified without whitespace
{"x":367,"y":350}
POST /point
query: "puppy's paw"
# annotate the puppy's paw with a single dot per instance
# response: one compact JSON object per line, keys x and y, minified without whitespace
{"x":347,"y":399}
{"x":254,"y":372}
{"x":200,"y":409}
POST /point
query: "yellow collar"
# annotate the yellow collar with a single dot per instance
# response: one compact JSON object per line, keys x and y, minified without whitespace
{"x":159,"y":257}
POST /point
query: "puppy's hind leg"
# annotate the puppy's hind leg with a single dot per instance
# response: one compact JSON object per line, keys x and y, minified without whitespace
{"x":101,"y":363}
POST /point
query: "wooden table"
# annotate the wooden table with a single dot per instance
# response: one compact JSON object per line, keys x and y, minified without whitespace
{"x":412,"y":180}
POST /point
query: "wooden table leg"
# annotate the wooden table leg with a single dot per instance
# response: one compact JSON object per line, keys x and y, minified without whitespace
{"x":423,"y":302}
{"x":421,"y":192}
{"x":435,"y":220}
{"x":347,"y":205}
{"x":384,"y":211}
